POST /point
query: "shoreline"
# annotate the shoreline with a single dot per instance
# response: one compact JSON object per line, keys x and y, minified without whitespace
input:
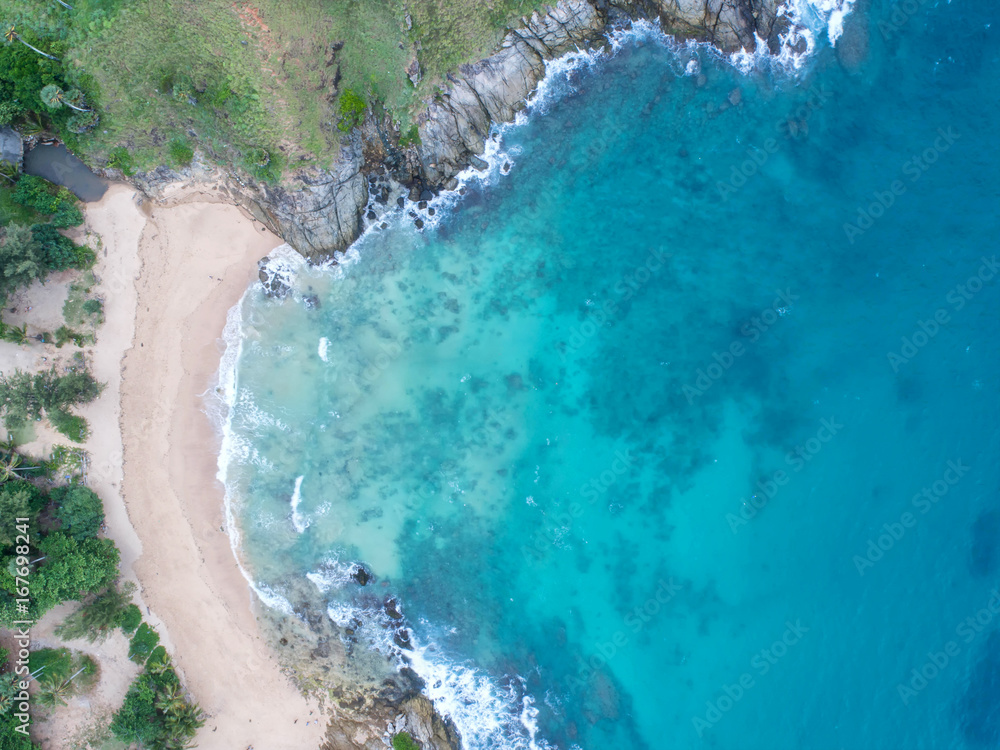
{"x":171,"y":272}
{"x":198,"y":255}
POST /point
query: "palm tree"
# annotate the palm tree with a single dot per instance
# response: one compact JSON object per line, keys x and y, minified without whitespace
{"x":55,"y":693}
{"x":11,"y":35}
{"x":171,"y":701}
{"x":17,"y":335}
{"x":184,"y":723}
{"x":54,"y":97}
{"x":10,"y":466}
{"x":161,"y":667}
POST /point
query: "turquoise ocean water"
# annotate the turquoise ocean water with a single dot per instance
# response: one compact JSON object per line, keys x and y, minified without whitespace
{"x":680,"y":429}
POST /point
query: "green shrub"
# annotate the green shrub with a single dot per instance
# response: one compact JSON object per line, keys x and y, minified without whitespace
{"x":93,"y":307}
{"x":158,"y":664}
{"x":23,"y":398}
{"x":142,"y":644}
{"x":58,"y":252}
{"x":411,"y":137}
{"x":78,"y":510}
{"x":137,"y":720}
{"x":70,"y":570}
{"x":22,"y":260}
{"x":121,"y":158}
{"x":98,"y":618}
{"x":72,"y":426}
{"x":130,"y":619}
{"x":46,"y":198}
{"x":180,"y":153}
{"x":65,"y":334}
{"x":9,"y":111}
{"x":18,"y":500}
{"x":352,"y":110}
{"x":11,"y":739}
{"x":404,"y":741}
{"x":68,"y":214}
{"x":85,"y":257}
{"x":81,"y":122}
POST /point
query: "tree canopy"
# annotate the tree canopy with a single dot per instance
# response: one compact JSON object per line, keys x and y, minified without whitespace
{"x":79,"y":511}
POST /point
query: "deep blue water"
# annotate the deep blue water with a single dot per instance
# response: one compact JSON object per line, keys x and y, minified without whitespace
{"x":684,"y":433}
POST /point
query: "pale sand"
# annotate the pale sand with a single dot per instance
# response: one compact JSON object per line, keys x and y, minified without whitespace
{"x":198,"y":255}
{"x":169,"y":275}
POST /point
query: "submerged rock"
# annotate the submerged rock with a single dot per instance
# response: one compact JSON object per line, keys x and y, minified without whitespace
{"x":274,"y":284}
{"x":391,"y":607}
{"x":361,"y":576}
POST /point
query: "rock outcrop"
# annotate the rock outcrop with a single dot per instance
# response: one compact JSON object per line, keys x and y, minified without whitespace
{"x":321,"y":211}
{"x":731,"y":25}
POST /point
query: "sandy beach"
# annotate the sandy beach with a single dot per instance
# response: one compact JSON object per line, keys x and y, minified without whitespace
{"x":169,"y":273}
{"x":198,"y":254}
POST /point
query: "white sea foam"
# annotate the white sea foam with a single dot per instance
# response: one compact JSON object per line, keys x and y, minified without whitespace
{"x":324,"y":345}
{"x":285,"y":264}
{"x":486,"y":714}
{"x":298,"y":520}
{"x":333,"y":574}
{"x":820,"y":14}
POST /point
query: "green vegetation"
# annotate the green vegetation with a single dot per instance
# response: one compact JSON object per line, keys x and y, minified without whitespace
{"x":180,"y":153}
{"x":404,"y":741}
{"x":121,"y":158}
{"x":45,"y":198}
{"x":130,"y":619}
{"x":9,"y":739}
{"x":100,"y":616}
{"x":156,"y":713}
{"x":230,"y":78}
{"x":452,"y":32}
{"x":65,"y":335}
{"x":61,"y":674}
{"x":30,"y":248}
{"x":142,"y":644}
{"x":78,"y":510}
{"x":411,"y":137}
{"x":63,"y":564}
{"x":25,"y":397}
{"x":65,"y":463}
{"x":352,"y":110}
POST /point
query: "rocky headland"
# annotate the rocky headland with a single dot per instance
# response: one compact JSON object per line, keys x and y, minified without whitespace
{"x":321,"y":211}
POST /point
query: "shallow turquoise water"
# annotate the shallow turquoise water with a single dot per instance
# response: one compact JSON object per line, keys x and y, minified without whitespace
{"x":671,"y":457}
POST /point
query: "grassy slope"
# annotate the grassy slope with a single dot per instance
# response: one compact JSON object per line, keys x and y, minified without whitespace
{"x":257,"y":73}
